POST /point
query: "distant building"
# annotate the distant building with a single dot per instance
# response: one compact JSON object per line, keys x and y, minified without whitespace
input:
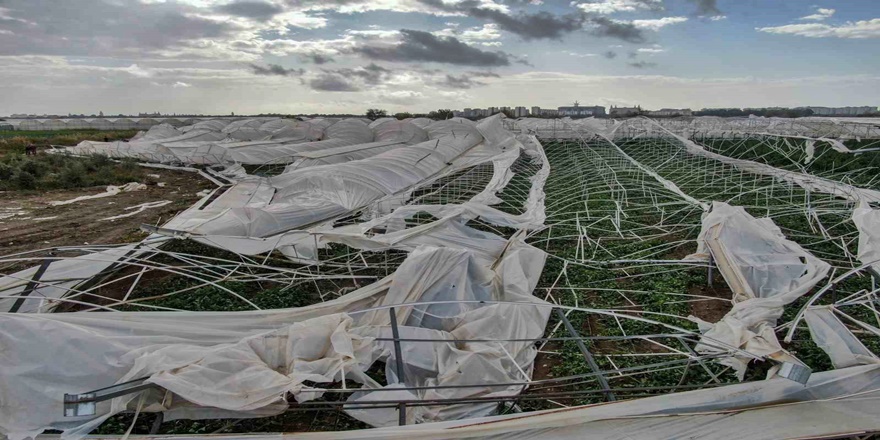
{"x":520,"y":112}
{"x":843,"y":111}
{"x":577,"y":110}
{"x":671,"y":112}
{"x":623,"y":112}
{"x":536,"y":111}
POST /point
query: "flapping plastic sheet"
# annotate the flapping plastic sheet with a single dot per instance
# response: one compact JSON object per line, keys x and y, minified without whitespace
{"x":764,"y":270}
{"x":841,"y":345}
{"x":217,"y":364}
{"x":808,"y":182}
{"x":58,"y":279}
{"x":833,"y":404}
{"x":306,"y":196}
{"x":867,"y":221}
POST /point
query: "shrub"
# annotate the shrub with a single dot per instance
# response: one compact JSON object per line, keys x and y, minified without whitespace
{"x":6,"y":171}
{"x":33,"y":167}
{"x":26,"y":180}
{"x":73,"y":176}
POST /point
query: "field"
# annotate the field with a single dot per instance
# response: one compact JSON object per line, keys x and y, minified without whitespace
{"x":29,"y":183}
{"x":14,"y":142}
{"x":623,"y":217}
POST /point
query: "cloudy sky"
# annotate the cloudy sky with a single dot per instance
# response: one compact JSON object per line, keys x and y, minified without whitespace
{"x":304,"y":56}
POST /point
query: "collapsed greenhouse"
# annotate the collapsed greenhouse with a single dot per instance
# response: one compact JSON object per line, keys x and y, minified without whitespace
{"x":449,"y":279}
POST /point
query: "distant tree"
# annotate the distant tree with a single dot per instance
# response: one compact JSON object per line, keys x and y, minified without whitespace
{"x":375,"y":113}
{"x":441,"y":114}
{"x":508,"y":113}
{"x":403,"y":115}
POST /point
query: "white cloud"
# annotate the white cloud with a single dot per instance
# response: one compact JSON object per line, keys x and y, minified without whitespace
{"x":612,"y":6}
{"x":180,"y":84}
{"x":138,"y":71}
{"x":651,"y":50}
{"x":489,"y":31}
{"x":658,"y":23}
{"x":718,"y":17}
{"x":858,"y":29}
{"x":487,"y":35}
{"x":579,"y":55}
{"x":402,"y":97}
{"x":821,"y":14}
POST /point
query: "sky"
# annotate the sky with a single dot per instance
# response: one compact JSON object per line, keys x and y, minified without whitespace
{"x":344,"y":56}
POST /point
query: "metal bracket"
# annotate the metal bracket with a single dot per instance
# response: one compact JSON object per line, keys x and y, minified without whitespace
{"x":85,"y":404}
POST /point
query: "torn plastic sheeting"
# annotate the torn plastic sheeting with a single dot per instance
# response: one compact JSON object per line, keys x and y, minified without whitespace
{"x":770,"y":409}
{"x":161,"y":131}
{"x":765,"y":271}
{"x":137,"y":209}
{"x":150,"y":150}
{"x":341,"y":154}
{"x":755,"y":258}
{"x":867,"y":221}
{"x":808,"y":182}
{"x":310,"y":195}
{"x":837,"y":341}
{"x":108,"y":192}
{"x":832,"y":404}
{"x":59,"y":277}
{"x":399,"y":131}
{"x":300,"y":247}
{"x":246,"y":361}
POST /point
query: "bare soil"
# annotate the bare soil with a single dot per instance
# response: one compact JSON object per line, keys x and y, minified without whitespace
{"x":712,"y":310}
{"x":39,"y":225}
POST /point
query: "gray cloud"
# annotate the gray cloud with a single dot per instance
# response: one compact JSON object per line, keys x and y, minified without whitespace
{"x":643,"y":65}
{"x":318,"y":58}
{"x":426,"y":47}
{"x":103,"y":27}
{"x":539,"y":25}
{"x":606,"y":27}
{"x":275,"y":69}
{"x":331,"y":82}
{"x":610,"y":54}
{"x":707,"y":7}
{"x":462,"y":82}
{"x":250,"y":9}
{"x":484,"y":74}
{"x":351,"y":80}
{"x":544,"y":25}
{"x":371,"y":74}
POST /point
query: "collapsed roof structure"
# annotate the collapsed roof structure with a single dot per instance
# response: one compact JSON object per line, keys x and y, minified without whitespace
{"x":454,"y":279}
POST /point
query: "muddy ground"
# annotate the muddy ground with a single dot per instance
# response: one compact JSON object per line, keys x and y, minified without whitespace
{"x":29,"y":222}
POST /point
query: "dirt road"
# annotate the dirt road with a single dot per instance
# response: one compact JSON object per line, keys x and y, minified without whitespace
{"x":29,"y":222}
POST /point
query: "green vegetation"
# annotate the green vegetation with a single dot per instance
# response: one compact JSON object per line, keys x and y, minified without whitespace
{"x":375,"y":113}
{"x":61,"y":171}
{"x":599,"y":208}
{"x":12,"y":142}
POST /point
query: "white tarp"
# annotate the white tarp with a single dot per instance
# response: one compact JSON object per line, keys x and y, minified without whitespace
{"x":806,"y":181}
{"x":242,"y":363}
{"x":833,"y":404}
{"x":829,"y":333}
{"x":867,"y":221}
{"x":764,"y":270}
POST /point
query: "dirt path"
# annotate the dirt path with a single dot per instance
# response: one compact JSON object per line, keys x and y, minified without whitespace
{"x":29,"y":222}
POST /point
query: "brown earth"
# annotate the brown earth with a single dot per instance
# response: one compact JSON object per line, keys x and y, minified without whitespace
{"x":712,"y":310}
{"x":39,"y":225}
